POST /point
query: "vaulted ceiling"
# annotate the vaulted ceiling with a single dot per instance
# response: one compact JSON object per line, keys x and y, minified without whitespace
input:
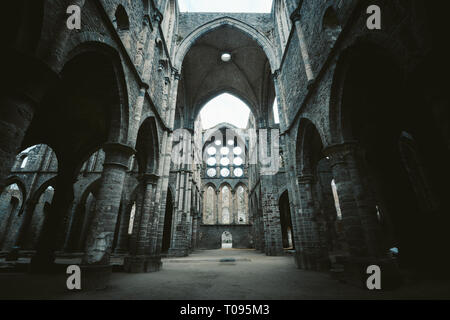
{"x":205,"y":75}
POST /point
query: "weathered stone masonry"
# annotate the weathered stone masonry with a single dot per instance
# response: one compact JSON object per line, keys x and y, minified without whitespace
{"x":90,"y":122}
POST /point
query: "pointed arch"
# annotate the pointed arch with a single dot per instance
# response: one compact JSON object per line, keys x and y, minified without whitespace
{"x":254,"y":34}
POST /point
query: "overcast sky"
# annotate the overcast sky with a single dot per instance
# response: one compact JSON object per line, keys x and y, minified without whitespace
{"x":225,"y":108}
{"x":225,"y":5}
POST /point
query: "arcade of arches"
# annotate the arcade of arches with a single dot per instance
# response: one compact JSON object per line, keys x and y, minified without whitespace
{"x":104,"y":157}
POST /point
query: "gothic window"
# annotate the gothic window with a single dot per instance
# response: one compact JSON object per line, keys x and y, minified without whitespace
{"x":132,"y":215}
{"x":226,"y":201}
{"x":276,"y":115}
{"x":122,"y":24}
{"x":224,"y":157}
{"x":209,"y":206}
{"x":24,"y":162}
{"x":331,"y":27}
{"x":241,"y":205}
{"x":336,"y":200}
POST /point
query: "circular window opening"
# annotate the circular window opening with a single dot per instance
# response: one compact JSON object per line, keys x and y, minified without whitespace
{"x":224,"y":151}
{"x":211,"y":151}
{"x":230,"y":142}
{"x":224,"y":161}
{"x":237,"y":150}
{"x":238,"y":172}
{"x":224,"y":172}
{"x":226,"y":57}
{"x":218,"y":142}
{"x":211,"y":172}
{"x":211,"y":161}
{"x":238,"y":161}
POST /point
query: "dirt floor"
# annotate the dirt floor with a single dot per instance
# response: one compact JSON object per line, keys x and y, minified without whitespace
{"x":241,"y":275}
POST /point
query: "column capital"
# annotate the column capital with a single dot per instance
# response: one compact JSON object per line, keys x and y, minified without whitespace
{"x":148,"y":178}
{"x":117,"y":154}
{"x":336,"y":150}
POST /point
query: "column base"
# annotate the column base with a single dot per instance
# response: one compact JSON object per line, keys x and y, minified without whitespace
{"x":142,"y":264}
{"x":274,"y":252}
{"x":176,"y":252}
{"x":95,"y":277}
{"x":311,"y":261}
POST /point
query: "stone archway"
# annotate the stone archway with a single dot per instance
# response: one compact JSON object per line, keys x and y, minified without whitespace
{"x":227,"y":240}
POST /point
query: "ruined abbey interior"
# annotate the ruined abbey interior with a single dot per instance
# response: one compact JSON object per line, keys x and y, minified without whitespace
{"x":106,"y":162}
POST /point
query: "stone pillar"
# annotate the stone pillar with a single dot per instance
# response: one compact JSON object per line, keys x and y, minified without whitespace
{"x":101,"y":233}
{"x":178,"y":244}
{"x":360,"y":230}
{"x":139,"y":259}
{"x":271,"y":214}
{"x":353,"y":229}
{"x":365,"y":203}
{"x":43,"y":260}
{"x":122,"y":237}
{"x":16,"y":113}
{"x":309,"y":255}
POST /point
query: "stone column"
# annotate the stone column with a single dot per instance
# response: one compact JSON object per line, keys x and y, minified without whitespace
{"x":360,"y":228}
{"x":309,"y":251}
{"x":353,"y":229}
{"x":122,"y":237}
{"x":100,"y":236}
{"x":16,"y":113}
{"x":271,"y":214}
{"x":365,"y":203}
{"x":43,"y":260}
{"x":139,"y":259}
{"x":178,"y":245}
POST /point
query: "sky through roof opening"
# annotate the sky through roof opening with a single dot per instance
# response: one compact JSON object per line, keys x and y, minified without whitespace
{"x":225,"y":108}
{"x":255,"y":6}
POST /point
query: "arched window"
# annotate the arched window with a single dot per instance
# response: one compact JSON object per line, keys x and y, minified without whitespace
{"x":276,"y":115}
{"x":331,"y":26}
{"x":24,"y":162}
{"x":225,"y":205}
{"x":336,"y":200}
{"x":209,"y":216}
{"x":131,"y":223}
{"x":242,"y":204}
{"x":122,"y":24}
{"x":121,"y":21}
{"x":225,"y":108}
